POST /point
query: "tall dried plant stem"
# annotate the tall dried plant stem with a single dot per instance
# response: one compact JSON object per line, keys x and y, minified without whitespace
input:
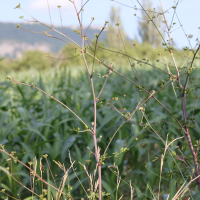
{"x":97,"y":154}
{"x":95,"y":123}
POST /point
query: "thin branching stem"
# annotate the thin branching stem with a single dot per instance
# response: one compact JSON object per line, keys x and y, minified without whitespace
{"x":104,"y":84}
{"x":88,"y":26}
{"x":61,"y":22}
{"x":140,"y":61}
{"x":183,"y":101}
{"x":49,"y":13}
{"x":137,"y":76}
{"x":34,"y":86}
{"x":97,"y":154}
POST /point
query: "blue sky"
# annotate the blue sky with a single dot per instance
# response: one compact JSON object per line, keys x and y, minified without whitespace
{"x":188,"y":12}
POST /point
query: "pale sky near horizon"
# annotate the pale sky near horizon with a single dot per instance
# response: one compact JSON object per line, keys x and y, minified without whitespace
{"x":188,"y":12}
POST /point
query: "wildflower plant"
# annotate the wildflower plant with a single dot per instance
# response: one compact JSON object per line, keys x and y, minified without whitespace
{"x":178,"y":76}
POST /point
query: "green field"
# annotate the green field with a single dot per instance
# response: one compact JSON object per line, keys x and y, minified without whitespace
{"x":33,"y":124}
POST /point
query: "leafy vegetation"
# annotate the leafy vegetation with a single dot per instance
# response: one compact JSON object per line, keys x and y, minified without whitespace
{"x":123,"y":127}
{"x":34,"y":125}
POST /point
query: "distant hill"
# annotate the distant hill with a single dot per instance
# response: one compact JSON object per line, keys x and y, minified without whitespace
{"x":14,"y":41}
